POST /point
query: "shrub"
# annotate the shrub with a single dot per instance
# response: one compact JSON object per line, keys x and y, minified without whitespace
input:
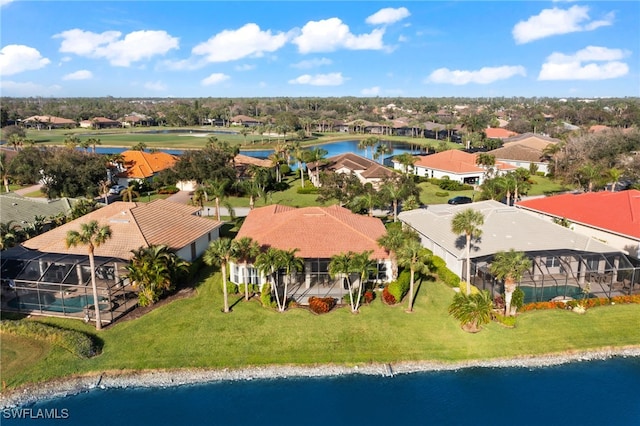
{"x":446,"y":275}
{"x":75,"y":342}
{"x":321,"y":305}
{"x":307,"y":189}
{"x":168,"y":190}
{"x":285,"y":169}
{"x":442,"y":194}
{"x":509,"y":321}
{"x":231,"y":287}
{"x":265,"y":297}
{"x":388,"y":297}
{"x":463,"y":288}
{"x":369,"y":296}
{"x":400,"y":287}
{"x":517,"y":299}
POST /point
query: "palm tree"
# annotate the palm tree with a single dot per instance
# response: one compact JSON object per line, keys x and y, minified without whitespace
{"x":71,"y":141}
{"x":93,"y":142}
{"x":407,"y":160}
{"x":340,"y":266}
{"x":509,"y":266}
{"x":244,"y":251}
{"x":218,"y":189}
{"x":362,"y":264}
{"x":487,"y":161}
{"x":10,"y":234}
{"x":467,"y":222}
{"x":91,"y":235}
{"x":395,"y":189}
{"x":316,"y":155}
{"x":103,"y":185}
{"x":300,"y":155}
{"x":268,"y":263}
{"x":291,"y":264}
{"x":140,"y":146}
{"x":129,"y":193}
{"x":220,"y":253}
{"x":614,"y":174}
{"x":392,"y":241}
{"x":472,"y":310}
{"x":412,"y":255}
{"x":381,"y":150}
{"x":4,"y":171}
{"x":199,"y":197}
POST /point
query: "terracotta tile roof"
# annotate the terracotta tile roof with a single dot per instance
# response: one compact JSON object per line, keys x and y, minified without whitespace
{"x":318,"y":232}
{"x":140,"y":164}
{"x":499,"y":133}
{"x":368,"y":169}
{"x":617,"y":212}
{"x":531,"y":140}
{"x":133,"y":225}
{"x":49,"y":119}
{"x":246,"y":160}
{"x":103,"y":120}
{"x":518,"y":153}
{"x":455,"y":161}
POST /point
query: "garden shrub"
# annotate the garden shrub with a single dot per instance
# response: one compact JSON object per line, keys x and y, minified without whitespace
{"x":75,"y":342}
{"x":168,"y":190}
{"x":231,"y":287}
{"x":463,"y":288}
{"x":517,"y":299}
{"x":369,"y":296}
{"x":285,"y":169}
{"x":509,"y":321}
{"x":450,"y":185}
{"x":307,"y":189}
{"x":398,"y":288}
{"x":442,"y":194}
{"x":321,"y":305}
{"x":587,"y":303}
{"x":265,"y":297}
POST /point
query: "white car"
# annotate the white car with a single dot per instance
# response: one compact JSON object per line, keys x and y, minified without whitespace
{"x":116,"y":189}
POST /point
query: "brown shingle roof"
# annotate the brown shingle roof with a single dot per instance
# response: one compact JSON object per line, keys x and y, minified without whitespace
{"x":318,"y":232}
{"x":133,"y":225}
{"x":49,"y":119}
{"x":531,"y":140}
{"x":518,"y":153}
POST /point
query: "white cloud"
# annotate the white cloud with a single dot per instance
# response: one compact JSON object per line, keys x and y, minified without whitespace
{"x":5,"y":2}
{"x":245,"y":67}
{"x":16,"y":58}
{"x":135,"y":46}
{"x":557,"y":21}
{"x":215,"y":78}
{"x":484,"y":75}
{"x":156,"y":86}
{"x":189,"y":64}
{"x":247,"y":41}
{"x":402,"y":39}
{"x":12,"y":88}
{"x":332,"y":34}
{"x":388,"y":16}
{"x":312,"y":63}
{"x":332,"y":79}
{"x":79,"y":75}
{"x":582,"y":65}
{"x":371,"y":91}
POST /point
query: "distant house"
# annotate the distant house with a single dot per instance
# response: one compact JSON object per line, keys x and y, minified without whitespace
{"x":45,"y":277}
{"x":609,"y":217}
{"x":22,"y":211}
{"x":455,"y":164}
{"x":135,"y":119}
{"x":49,"y":122}
{"x":498,"y":133}
{"x":243,"y":164}
{"x":367,"y":171}
{"x":99,"y":123}
{"x":141,"y":165}
{"x":246,"y":121}
{"x":525,"y":150}
{"x":318,"y":233}
{"x":564,"y":262}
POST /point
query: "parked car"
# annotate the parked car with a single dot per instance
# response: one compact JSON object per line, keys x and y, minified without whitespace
{"x":116,"y":189}
{"x":460,"y":199}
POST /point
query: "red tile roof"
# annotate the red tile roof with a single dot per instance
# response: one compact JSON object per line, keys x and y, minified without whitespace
{"x":45,"y":119}
{"x":618,"y":212}
{"x":140,"y":164}
{"x":456,"y":161}
{"x":318,"y":232}
{"x":499,"y":133}
{"x":133,"y":225}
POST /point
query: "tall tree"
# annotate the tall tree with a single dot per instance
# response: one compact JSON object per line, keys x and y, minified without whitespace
{"x":291,"y":265}
{"x":220,"y":253}
{"x":509,"y":266}
{"x":92,"y":235}
{"x":269,"y":263}
{"x":468,"y":222}
{"x":392,"y":241}
{"x":413,"y":256}
{"x":245,"y":251}
{"x":316,"y":155}
{"x":363,"y":265}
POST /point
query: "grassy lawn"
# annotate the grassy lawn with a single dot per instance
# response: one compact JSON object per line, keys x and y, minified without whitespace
{"x":544,"y":185}
{"x":193,"y":332}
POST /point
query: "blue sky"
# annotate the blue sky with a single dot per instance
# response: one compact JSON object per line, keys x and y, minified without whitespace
{"x":319,"y":48}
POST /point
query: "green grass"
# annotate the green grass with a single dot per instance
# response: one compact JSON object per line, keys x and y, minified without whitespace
{"x":545,"y":185}
{"x":193,"y":332}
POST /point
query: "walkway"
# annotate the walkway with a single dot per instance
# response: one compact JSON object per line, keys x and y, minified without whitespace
{"x":28,"y":189}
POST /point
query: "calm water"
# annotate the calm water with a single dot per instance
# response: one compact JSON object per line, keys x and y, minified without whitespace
{"x":581,"y":393}
{"x":334,"y":148}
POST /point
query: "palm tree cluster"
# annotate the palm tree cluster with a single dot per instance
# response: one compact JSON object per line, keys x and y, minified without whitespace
{"x":154,"y":271}
{"x":345,"y":266}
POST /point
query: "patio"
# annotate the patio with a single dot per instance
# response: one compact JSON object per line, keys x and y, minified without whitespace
{"x":567,"y":274}
{"x":59,"y":285}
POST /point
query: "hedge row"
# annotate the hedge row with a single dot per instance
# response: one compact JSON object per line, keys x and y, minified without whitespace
{"x":321,"y":305}
{"x":75,"y":342}
{"x":440,"y":267}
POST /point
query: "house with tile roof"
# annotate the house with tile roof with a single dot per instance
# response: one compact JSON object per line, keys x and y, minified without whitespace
{"x":525,"y":150}
{"x":49,"y":121}
{"x":563,"y":261}
{"x":142,"y":165}
{"x":498,"y":133}
{"x":45,"y":277}
{"x":24,"y":210}
{"x":246,"y":121}
{"x":454,"y":164}
{"x":99,"y":123}
{"x":367,"y":171}
{"x":610,"y":217}
{"x":318,"y":233}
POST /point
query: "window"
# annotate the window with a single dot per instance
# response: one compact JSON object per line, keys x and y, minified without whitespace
{"x":552,"y":262}
{"x":234,"y":273}
{"x":253,"y":275}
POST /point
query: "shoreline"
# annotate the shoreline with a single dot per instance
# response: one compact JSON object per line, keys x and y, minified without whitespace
{"x":69,"y":386}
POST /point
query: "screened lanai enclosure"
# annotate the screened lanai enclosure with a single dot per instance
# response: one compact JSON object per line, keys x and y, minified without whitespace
{"x":60,"y":285}
{"x":566,"y":275}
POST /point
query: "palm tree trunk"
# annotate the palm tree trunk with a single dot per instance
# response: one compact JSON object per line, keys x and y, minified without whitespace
{"x":252,"y":202}
{"x":395,"y":210}
{"x":509,"y":288}
{"x":218,"y":209}
{"x":94,"y":287}
{"x":411,"y":283}
{"x":246,"y":283}
{"x":468,"y":250}
{"x":224,"y":287}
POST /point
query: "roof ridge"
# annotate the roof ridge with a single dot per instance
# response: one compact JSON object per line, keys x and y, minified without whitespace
{"x":348,"y":225}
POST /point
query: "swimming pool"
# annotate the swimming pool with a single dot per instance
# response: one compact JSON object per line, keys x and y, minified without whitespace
{"x":51,"y":302}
